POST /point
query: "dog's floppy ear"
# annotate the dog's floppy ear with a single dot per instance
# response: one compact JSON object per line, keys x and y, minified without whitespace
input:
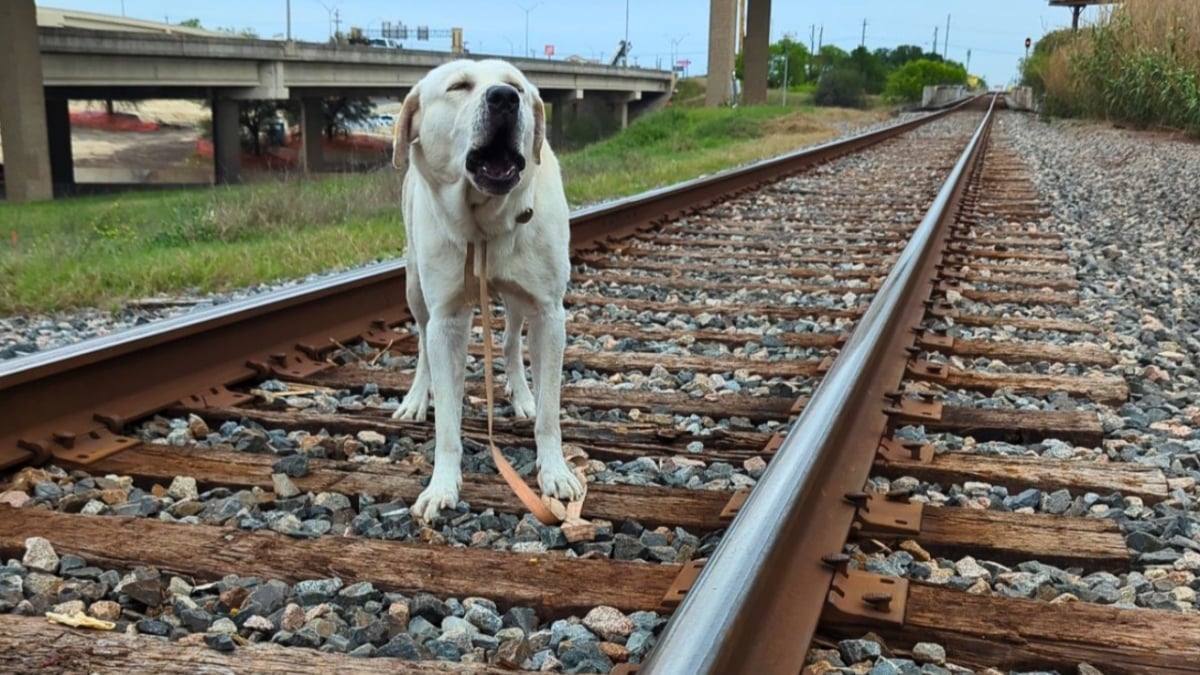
{"x":539,"y":128}
{"x":402,"y":133}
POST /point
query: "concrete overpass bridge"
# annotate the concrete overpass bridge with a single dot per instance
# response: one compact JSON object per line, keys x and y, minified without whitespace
{"x":46,"y":67}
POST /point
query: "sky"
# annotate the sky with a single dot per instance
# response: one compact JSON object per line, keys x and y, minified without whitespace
{"x":994,"y":31}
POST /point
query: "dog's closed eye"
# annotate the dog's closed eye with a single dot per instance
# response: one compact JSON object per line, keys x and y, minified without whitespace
{"x":461,"y":85}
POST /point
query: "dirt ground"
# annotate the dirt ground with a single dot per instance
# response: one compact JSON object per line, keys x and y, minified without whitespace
{"x":172,"y":145}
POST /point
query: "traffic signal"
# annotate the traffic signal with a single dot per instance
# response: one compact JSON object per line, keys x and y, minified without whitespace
{"x":1027,"y":43}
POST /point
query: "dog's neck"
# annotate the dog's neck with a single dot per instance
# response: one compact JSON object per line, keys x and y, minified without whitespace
{"x":497,"y":215}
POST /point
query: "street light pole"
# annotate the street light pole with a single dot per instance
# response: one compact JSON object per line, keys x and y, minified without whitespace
{"x":624,"y":59}
{"x":527,"y":10}
{"x":674,"y":45}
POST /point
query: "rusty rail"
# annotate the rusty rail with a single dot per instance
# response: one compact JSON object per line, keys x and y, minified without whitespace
{"x":73,"y":403}
{"x":757,"y":600}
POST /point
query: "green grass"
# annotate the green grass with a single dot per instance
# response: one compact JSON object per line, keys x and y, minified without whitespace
{"x":102,"y":250}
{"x":669,"y":146}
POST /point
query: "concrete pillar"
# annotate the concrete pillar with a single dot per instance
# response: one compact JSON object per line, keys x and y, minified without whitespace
{"x":720,"y":52}
{"x":758,"y":39}
{"x":22,"y":106}
{"x":227,"y":141}
{"x":312,"y":123}
{"x":558,"y":122}
{"x":562,"y":109}
{"x":62,"y":162}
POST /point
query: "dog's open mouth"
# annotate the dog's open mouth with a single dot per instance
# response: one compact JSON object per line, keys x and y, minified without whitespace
{"x":497,"y":165}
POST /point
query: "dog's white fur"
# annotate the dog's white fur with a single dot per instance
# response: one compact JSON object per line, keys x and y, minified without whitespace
{"x":442,"y":120}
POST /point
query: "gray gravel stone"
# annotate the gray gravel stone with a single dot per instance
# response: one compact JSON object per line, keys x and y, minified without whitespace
{"x":854,"y":651}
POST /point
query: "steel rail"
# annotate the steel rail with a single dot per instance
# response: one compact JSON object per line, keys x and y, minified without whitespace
{"x":755,"y":605}
{"x":73,"y":403}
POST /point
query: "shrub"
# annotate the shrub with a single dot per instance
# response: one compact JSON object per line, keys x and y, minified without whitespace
{"x":843,"y":86}
{"x":909,"y":81}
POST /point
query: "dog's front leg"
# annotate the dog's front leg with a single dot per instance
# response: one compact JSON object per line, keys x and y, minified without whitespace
{"x":447,"y":348}
{"x":547,"y":339}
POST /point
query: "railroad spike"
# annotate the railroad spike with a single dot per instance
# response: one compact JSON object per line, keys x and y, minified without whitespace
{"x":878,"y":600}
{"x":835,"y":559}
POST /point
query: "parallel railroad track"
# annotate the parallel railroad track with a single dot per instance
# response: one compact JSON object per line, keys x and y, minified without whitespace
{"x":830,"y":339}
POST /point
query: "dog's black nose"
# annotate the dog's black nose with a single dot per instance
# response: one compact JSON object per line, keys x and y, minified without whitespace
{"x":502,"y":98}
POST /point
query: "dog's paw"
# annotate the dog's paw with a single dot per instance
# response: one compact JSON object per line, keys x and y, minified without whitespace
{"x":413,"y":408}
{"x":558,"y":481}
{"x":433,"y":499}
{"x":522,"y":401}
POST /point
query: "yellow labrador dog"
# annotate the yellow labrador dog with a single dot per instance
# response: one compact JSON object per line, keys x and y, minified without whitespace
{"x":472,"y":134}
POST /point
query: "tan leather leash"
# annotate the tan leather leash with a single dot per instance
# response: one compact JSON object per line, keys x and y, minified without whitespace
{"x":548,"y":510}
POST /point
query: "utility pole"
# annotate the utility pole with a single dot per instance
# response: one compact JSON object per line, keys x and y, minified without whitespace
{"x":968,"y":61}
{"x":935,"y":30}
{"x":787,"y":58}
{"x":820,"y":42}
{"x":289,"y":20}
{"x":337,"y":22}
{"x":946,"y":40}
{"x":863,"y":41}
{"x":812,"y":47}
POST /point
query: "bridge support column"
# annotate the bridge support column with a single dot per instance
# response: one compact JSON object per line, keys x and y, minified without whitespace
{"x":757,"y":52}
{"x":558,"y":122}
{"x":312,"y":122}
{"x":27,"y":174}
{"x":227,"y":141}
{"x":62,"y":161}
{"x":562,"y":106}
{"x":628,"y":107}
{"x":721,"y":15}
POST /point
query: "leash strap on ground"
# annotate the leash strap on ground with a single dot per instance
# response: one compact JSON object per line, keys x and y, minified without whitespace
{"x":526,"y":494}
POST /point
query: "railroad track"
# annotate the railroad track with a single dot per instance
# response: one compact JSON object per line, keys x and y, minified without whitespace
{"x":863,"y":343}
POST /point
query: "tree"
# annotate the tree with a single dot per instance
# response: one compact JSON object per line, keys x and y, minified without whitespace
{"x":253,"y":116}
{"x":870,"y":67}
{"x":795,"y":54}
{"x":828,"y":57}
{"x":342,"y":111}
{"x":791,"y":53}
{"x":895,"y":58}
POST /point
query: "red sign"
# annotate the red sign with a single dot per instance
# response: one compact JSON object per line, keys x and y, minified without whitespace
{"x":683,"y":63}
{"x":549,"y":50}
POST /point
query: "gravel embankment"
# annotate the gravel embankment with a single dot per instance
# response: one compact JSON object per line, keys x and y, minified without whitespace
{"x":1126,"y":206}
